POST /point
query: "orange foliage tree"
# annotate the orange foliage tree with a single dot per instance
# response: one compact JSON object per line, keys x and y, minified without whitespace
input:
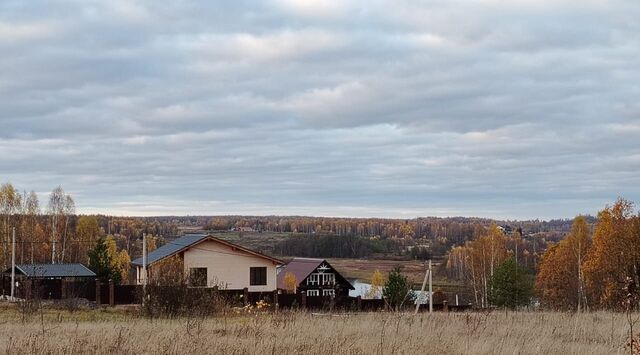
{"x":614,"y":257}
{"x":560,"y":280}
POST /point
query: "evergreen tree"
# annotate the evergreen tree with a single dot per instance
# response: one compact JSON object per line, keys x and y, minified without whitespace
{"x":510,"y":285}
{"x":397,"y":290}
{"x":101,"y":263}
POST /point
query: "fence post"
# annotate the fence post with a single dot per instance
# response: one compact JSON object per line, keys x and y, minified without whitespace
{"x":98,"y":292}
{"x":27,"y":289}
{"x":304,"y":299}
{"x":275,"y":300}
{"x":445,"y":306}
{"x":245,"y":295}
{"x":112,"y":300}
{"x":63,"y":288}
{"x":359,"y":302}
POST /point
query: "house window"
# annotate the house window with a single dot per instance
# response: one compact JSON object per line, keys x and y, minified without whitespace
{"x":328,"y":293}
{"x":313,"y":279}
{"x":198,"y":276}
{"x":258,"y":276}
{"x":313,"y":292}
{"x":328,"y":279}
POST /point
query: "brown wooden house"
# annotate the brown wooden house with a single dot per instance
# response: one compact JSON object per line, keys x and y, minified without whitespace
{"x":314,"y":277}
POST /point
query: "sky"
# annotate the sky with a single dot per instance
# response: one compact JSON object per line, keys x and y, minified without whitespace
{"x":517,"y":109}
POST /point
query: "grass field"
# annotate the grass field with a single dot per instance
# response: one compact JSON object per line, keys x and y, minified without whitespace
{"x":112,"y":332}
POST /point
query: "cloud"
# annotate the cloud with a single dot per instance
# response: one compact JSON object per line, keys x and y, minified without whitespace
{"x":315,"y":8}
{"x":522,"y":109}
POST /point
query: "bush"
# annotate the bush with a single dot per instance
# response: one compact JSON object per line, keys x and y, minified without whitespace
{"x":169,"y":295}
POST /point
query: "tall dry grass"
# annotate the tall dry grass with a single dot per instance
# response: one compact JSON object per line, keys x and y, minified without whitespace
{"x":305,"y":333}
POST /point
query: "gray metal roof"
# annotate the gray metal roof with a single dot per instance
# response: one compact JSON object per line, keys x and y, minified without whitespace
{"x":171,"y":248}
{"x":53,"y":270}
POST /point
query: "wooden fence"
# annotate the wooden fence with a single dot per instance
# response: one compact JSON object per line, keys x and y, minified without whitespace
{"x":108,"y":293}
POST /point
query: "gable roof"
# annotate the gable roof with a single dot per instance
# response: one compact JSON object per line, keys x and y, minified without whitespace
{"x":301,"y":268}
{"x":189,"y":241}
{"x":53,"y":270}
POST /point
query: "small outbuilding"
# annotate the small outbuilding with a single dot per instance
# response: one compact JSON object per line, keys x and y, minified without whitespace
{"x":51,"y":271}
{"x":50,"y":281}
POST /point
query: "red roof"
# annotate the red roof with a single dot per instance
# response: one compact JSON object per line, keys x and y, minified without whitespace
{"x":300,"y":268}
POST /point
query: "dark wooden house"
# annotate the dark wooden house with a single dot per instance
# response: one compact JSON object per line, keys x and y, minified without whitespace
{"x":314,"y":277}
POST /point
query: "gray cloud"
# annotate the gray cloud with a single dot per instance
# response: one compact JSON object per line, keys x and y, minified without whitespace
{"x":527,"y":109}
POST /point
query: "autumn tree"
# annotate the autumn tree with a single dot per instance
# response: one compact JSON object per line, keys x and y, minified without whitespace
{"x":377,"y":283}
{"x":614,"y":256}
{"x":290,"y":282}
{"x":560,"y":280}
{"x":478,"y":260}
{"x":120,"y":260}
{"x":87,"y":233}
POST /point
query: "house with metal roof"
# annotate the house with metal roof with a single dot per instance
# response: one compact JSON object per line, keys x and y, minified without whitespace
{"x":208,"y":261}
{"x":315,"y":277}
{"x":51,"y":271}
{"x":50,"y":279}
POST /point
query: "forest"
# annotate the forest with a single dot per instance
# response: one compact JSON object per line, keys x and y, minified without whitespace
{"x":50,"y":230}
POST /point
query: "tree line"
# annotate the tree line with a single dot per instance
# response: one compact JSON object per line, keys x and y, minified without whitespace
{"x":477,"y":261}
{"x":332,"y":246}
{"x":595,"y":267}
{"x":55,"y":235}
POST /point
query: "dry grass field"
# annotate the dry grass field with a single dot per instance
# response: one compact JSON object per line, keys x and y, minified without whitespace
{"x":108,"y":332}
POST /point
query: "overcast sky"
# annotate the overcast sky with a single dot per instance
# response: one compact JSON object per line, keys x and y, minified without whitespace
{"x":508,"y":109}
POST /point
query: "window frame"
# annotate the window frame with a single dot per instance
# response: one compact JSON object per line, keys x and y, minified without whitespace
{"x":258,"y":276}
{"x":329,"y":292}
{"x":313,"y":279}
{"x":316,"y":293}
{"x":328,"y":279}
{"x":198,"y":280}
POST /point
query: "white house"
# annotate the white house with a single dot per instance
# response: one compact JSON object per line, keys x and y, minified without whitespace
{"x":210,"y":261}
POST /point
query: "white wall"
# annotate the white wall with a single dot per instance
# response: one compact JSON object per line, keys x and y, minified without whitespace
{"x":227,"y":268}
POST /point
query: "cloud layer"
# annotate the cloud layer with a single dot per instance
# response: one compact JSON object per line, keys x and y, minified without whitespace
{"x":521,"y":110}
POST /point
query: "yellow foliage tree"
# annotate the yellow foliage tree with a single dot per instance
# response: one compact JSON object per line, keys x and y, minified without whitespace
{"x":120,"y":260}
{"x":87,"y":233}
{"x":290,"y":282}
{"x":486,"y":253}
{"x":377,"y":283}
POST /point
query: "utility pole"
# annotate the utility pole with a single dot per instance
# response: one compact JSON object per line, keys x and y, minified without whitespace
{"x":13,"y":264}
{"x":144,"y":267}
{"x":424,"y":285}
{"x":430,"y":288}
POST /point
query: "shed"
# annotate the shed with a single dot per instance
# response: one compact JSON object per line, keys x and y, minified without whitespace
{"x":51,"y":271}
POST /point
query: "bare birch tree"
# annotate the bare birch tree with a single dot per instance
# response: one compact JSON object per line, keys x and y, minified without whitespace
{"x":55,"y":211}
{"x":10,"y":202}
